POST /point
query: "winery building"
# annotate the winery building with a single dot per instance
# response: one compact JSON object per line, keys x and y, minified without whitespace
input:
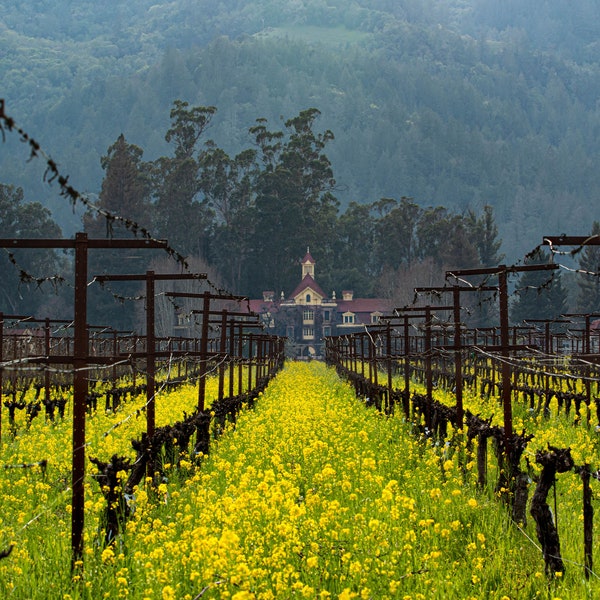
{"x":307,"y":314}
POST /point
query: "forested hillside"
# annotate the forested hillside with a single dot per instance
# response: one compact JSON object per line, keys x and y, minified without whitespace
{"x":457,"y":103}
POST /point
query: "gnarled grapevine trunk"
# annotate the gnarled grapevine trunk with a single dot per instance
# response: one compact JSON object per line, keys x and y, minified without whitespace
{"x":553,"y":461}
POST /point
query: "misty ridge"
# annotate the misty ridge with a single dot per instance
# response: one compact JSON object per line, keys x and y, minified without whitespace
{"x":467,"y":112}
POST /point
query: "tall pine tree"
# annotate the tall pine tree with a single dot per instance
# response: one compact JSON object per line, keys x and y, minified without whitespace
{"x":125,"y":191}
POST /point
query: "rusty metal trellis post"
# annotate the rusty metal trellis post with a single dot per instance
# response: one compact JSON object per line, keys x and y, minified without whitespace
{"x":388,"y":362}
{"x":587,"y":349}
{"x":406,"y":398}
{"x":2,"y":318}
{"x":206,"y":312}
{"x":27,"y":319}
{"x":203,"y":352}
{"x":593,"y":240}
{"x":240,"y":324}
{"x":150,"y":277}
{"x":406,"y":349}
{"x":457,"y":347}
{"x":588,"y":520}
{"x":502,"y":272}
{"x":80,"y":351}
{"x":427,"y":314}
{"x":223,"y":321}
{"x":81,"y":244}
{"x":223,"y":353}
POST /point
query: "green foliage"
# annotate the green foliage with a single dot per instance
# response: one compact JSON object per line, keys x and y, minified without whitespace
{"x":26,"y":275}
{"x":125,"y":188}
{"x":251,"y":216}
{"x":455,"y":104}
{"x":125,"y":192}
{"x":460,"y":105}
{"x":229,"y":188}
{"x":588,"y":298}
{"x":484,"y":233}
{"x":539,"y":294}
{"x":179,"y":216}
{"x":354,"y":248}
{"x":294,"y":201}
{"x":396,"y":231}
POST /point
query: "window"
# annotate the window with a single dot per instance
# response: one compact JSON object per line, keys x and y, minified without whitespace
{"x":307,"y":298}
{"x":308,"y":333}
{"x":349,"y":318}
{"x":308,"y":316}
{"x":327,"y":330}
{"x":289,"y":331}
{"x":327,"y":316}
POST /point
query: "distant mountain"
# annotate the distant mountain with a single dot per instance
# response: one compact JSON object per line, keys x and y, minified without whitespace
{"x":458,"y":103}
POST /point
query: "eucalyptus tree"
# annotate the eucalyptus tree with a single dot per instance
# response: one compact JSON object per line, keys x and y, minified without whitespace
{"x":354,"y":248}
{"x":180,"y":214}
{"x":295,"y":205}
{"x":443,"y":236}
{"x":396,"y":232}
{"x":125,"y":192}
{"x":228,"y":185}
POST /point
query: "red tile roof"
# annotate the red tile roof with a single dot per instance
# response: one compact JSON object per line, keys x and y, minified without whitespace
{"x":308,"y":258}
{"x":259,"y":306}
{"x":307,"y":282}
{"x":364,"y":305}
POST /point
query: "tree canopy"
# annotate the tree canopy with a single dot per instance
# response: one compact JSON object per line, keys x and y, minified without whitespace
{"x":26,"y":275}
{"x":455,"y":103}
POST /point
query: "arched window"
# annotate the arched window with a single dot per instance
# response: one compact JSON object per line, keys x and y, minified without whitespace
{"x":307,"y":297}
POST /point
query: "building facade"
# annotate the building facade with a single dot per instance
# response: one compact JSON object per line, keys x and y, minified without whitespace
{"x":307,"y":315}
